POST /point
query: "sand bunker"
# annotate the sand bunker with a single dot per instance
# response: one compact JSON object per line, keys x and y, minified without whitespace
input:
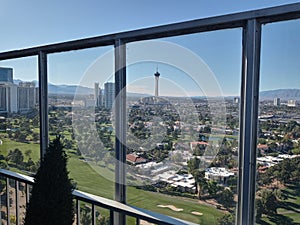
{"x":197,"y":213}
{"x":172,"y":207}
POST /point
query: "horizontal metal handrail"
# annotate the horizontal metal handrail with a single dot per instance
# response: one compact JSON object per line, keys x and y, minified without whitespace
{"x":109,"y":204}
{"x":17,"y":176}
{"x":234,"y":20}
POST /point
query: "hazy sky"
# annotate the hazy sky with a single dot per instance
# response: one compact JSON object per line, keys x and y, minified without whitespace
{"x":34,"y":22}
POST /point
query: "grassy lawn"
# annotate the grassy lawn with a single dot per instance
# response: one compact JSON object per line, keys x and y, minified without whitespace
{"x":289,"y":211}
{"x":291,"y":206}
{"x":8,"y":145}
{"x":150,"y":201}
{"x":90,"y":180}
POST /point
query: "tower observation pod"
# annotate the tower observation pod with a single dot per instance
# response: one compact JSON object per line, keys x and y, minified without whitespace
{"x":156,"y":75}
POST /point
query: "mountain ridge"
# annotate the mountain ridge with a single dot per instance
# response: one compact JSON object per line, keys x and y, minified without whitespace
{"x":283,"y":94}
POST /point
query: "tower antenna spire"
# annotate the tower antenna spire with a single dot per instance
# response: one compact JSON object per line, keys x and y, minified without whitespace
{"x":156,"y":75}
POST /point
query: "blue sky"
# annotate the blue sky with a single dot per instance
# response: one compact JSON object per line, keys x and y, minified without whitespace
{"x":34,"y":22}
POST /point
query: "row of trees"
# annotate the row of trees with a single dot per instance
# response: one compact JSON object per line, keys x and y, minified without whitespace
{"x":16,"y":158}
{"x":285,"y":172}
{"x":271,"y":184}
{"x":22,"y":127}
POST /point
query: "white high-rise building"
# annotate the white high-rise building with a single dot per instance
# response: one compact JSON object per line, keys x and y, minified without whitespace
{"x":109,"y":94}
{"x":8,"y":97}
{"x":291,"y":103}
{"x":8,"y":91}
{"x":236,"y":100}
{"x":15,"y":98}
{"x":97,"y":95}
{"x":26,"y":96}
{"x":276,"y":101}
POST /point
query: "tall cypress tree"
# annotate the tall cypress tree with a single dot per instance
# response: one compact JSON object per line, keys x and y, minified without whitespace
{"x":51,"y":201}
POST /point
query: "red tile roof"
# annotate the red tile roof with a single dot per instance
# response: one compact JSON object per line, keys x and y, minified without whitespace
{"x":262,"y":146}
{"x":132,"y":158}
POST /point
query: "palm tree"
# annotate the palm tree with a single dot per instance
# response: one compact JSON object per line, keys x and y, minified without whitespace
{"x":199,"y":176}
{"x":200,"y":181}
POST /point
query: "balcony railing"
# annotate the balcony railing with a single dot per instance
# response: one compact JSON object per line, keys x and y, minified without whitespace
{"x":80,"y":198}
{"x":251,"y":23}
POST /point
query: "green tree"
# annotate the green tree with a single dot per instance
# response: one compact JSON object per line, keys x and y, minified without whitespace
{"x":16,"y":157}
{"x":3,"y":164}
{"x":104,"y":220}
{"x":28,"y":153}
{"x":30,"y":165}
{"x":259,"y":209}
{"x":200,"y":180}
{"x":227,"y":219}
{"x":86,"y":217}
{"x":269,"y":202}
{"x":51,"y":200}
{"x":193,"y":165}
{"x":212,"y":188}
{"x":226,"y":198}
{"x":199,"y":176}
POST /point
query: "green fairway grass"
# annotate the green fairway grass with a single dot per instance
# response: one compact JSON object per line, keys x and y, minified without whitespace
{"x":89,"y":179}
{"x":291,"y":206}
{"x":8,"y":145}
{"x":289,"y":212}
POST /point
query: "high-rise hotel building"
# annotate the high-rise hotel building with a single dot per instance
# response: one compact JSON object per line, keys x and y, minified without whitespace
{"x":109,"y":94}
{"x":8,"y":91}
{"x":276,"y":102}
{"x":26,"y":96}
{"x":15,"y":98}
{"x":98,"y":95}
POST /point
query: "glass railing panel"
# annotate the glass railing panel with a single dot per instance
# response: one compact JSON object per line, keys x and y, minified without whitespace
{"x":80,"y":112}
{"x":277,"y":196}
{"x":183,"y":98}
{"x":19,"y":115}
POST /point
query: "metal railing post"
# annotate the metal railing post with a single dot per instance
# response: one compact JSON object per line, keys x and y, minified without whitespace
{"x":43,"y":102}
{"x":78,"y":212}
{"x":17,"y":202}
{"x":248,"y":122}
{"x":93,"y":215}
{"x":7,"y":201}
{"x":120,"y":118}
{"x":111,"y":217}
{"x":27,"y":195}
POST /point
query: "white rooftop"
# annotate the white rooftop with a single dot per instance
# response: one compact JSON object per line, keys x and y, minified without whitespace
{"x":218,"y":171}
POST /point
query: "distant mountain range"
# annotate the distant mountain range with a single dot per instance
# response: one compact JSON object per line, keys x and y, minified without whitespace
{"x":283,"y":94}
{"x":64,"y":89}
{"x":69,"y":89}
